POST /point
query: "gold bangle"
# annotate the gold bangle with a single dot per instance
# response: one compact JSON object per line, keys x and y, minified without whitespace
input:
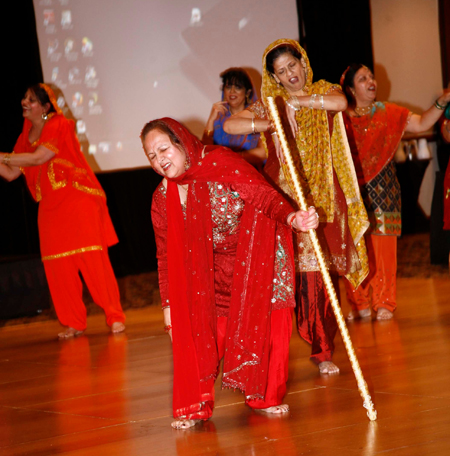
{"x":253,"y":126}
{"x":208,"y":132}
{"x":6,"y":159}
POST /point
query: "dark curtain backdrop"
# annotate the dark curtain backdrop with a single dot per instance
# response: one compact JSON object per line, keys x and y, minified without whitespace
{"x":128,"y":192}
{"x":444,"y":32}
{"x":335,"y":34}
{"x":440,"y":238}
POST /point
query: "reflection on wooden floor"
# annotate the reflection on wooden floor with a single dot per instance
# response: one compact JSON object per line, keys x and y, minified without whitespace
{"x":111,"y":395}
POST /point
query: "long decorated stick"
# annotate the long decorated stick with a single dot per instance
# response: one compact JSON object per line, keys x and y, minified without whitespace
{"x":362,"y":385}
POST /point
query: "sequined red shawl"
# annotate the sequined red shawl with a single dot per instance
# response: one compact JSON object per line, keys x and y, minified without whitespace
{"x":191,"y":280}
{"x":374,"y":138}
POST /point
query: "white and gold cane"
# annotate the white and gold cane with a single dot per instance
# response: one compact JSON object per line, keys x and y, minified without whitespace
{"x":362,"y":385}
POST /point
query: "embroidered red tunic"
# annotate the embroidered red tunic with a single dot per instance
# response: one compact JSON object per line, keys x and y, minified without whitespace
{"x":73,"y":216}
{"x":227,"y":205}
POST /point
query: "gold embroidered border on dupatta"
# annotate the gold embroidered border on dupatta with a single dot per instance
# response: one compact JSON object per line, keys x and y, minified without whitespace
{"x":316,"y":169}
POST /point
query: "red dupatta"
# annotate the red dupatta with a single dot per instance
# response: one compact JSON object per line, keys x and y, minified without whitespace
{"x":191,"y":280}
{"x":374,"y":138}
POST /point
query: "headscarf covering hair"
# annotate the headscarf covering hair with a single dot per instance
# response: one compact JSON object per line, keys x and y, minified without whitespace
{"x":318,"y":131}
{"x":52,"y":98}
{"x":191,"y":280}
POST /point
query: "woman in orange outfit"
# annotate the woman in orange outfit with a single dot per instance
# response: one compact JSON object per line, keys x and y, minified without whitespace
{"x":374,"y":131}
{"x":75,"y":229}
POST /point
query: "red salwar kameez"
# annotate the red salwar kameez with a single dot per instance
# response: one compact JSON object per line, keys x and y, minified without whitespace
{"x":75,"y":229}
{"x":226,"y":270}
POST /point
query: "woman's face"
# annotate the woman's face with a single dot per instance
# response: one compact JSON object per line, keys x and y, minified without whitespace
{"x":31,"y":106}
{"x":234,"y":95}
{"x":365,"y":86}
{"x":166,"y":158}
{"x":290,"y":72}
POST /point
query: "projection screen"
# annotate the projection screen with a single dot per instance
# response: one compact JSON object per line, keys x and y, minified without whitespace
{"x":117,"y":64}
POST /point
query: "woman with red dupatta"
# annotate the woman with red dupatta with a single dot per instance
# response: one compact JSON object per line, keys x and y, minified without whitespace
{"x":226,"y":272}
{"x":74,"y":225}
{"x":374,"y":131}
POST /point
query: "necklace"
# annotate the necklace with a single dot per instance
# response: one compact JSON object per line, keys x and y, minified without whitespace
{"x":363,"y":111}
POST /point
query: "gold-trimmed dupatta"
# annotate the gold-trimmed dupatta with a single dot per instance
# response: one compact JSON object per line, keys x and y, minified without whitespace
{"x":315,"y":169}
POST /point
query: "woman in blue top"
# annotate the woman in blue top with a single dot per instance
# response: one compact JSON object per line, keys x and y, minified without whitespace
{"x":237,"y":93}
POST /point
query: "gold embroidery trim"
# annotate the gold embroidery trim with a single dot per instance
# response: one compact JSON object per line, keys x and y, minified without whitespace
{"x":78,"y":186}
{"x":91,"y":191}
{"x":51,"y":177}
{"x":50,"y":147}
{"x":72,"y":252}
{"x":38,"y":185}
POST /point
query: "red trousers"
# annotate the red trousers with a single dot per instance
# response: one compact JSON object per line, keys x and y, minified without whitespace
{"x":66,"y":287}
{"x":316,"y":321}
{"x":280,"y":335}
{"x":379,"y":289}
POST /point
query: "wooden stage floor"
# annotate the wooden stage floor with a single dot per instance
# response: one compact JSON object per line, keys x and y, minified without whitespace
{"x":111,"y":395}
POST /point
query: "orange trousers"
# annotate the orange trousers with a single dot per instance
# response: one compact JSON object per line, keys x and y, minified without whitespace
{"x":379,"y":289}
{"x":66,"y":288}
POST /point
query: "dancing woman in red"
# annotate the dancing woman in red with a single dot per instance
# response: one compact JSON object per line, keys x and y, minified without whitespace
{"x":226,"y":272}
{"x":74,"y":225}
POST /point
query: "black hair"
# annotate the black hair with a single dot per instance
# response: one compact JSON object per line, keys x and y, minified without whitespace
{"x":237,"y":77}
{"x":349,"y":82}
{"x":277,"y":52}
{"x":42,"y":96}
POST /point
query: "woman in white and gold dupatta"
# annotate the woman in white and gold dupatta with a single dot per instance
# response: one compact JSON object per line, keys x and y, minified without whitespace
{"x":324,"y":164}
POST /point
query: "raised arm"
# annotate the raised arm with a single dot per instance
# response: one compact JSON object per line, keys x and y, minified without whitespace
{"x":334,"y":101}
{"x":420,"y":123}
{"x":246,"y":123}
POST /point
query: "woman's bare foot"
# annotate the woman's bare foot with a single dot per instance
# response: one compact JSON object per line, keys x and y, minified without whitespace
{"x":276,"y":409}
{"x":117,"y":327}
{"x":327,"y":367}
{"x":384,"y":314}
{"x":69,"y":333}
{"x":364,"y":313}
{"x":184,"y":424}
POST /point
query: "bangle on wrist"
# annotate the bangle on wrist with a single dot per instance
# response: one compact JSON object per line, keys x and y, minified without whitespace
{"x":208,"y":132}
{"x":294,"y":103}
{"x":321,"y":102}
{"x":437,"y":105}
{"x":167,"y":328}
{"x":253,"y":126}
{"x":6,"y":159}
{"x":312,"y":100}
{"x":291,"y":106}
